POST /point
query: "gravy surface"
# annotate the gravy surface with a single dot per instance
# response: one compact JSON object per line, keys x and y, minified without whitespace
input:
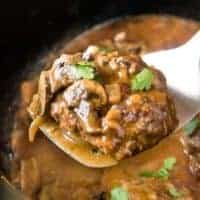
{"x":43,"y":172}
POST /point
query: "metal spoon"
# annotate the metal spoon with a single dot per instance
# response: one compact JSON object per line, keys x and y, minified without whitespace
{"x":181,"y":68}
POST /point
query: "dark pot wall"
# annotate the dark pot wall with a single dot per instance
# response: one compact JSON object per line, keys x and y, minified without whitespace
{"x":28,"y":27}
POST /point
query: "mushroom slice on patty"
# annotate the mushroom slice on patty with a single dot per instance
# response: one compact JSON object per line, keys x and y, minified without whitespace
{"x":85,"y":96}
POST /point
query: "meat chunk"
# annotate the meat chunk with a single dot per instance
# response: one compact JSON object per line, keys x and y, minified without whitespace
{"x":108,"y":113}
{"x":63,"y":115}
{"x":88,"y":117}
{"x":85,"y":89}
{"x":136,"y":124}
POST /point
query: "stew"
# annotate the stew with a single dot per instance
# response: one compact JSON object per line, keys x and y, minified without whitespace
{"x":169,"y":170}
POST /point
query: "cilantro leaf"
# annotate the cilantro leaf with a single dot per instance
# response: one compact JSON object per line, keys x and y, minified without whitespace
{"x":85,"y":63}
{"x":191,"y":126}
{"x":163,"y":172}
{"x":173,"y":192}
{"x":106,"y":49}
{"x":169,"y":163}
{"x":143,"y":80}
{"x":147,"y":174}
{"x":85,"y":70}
{"x":119,"y":193}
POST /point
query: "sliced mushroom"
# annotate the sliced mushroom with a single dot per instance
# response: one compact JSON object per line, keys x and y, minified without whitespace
{"x":84,"y":89}
{"x":114,"y":93}
{"x":76,"y":96}
{"x":121,"y":36}
{"x":41,"y":99}
{"x":63,"y":71}
{"x":88,"y":117}
{"x":34,"y":127}
{"x":44,"y":91}
{"x":34,"y":108}
{"x":90,"y":52}
{"x":112,"y":121}
{"x":73,"y":95}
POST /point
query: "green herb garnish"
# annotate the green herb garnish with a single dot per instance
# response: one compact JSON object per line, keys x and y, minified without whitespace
{"x":143,"y":80}
{"x":119,"y":193}
{"x":191,"y":126}
{"x":163,"y":172}
{"x":106,"y":49}
{"x":85,"y":64}
{"x":147,"y":174}
{"x":169,"y":163}
{"x":173,"y":192}
{"x":85,"y":70}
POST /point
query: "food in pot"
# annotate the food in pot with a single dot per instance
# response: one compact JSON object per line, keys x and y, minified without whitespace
{"x":167,"y":171}
{"x":110,"y":99}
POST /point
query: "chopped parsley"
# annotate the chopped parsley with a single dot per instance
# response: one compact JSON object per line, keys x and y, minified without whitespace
{"x":173,"y":192}
{"x":163,"y":172}
{"x":191,"y":126}
{"x":85,"y":70}
{"x":119,"y":193}
{"x":143,"y":80}
{"x":106,"y":49}
{"x":147,"y":174}
{"x":85,"y":64}
{"x":169,"y":163}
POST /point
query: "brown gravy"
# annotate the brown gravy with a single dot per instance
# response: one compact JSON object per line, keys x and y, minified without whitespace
{"x":50,"y":174}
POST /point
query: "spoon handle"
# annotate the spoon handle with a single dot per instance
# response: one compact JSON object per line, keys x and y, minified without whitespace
{"x":181,"y":69}
{"x":184,"y":77}
{"x":193,"y":44}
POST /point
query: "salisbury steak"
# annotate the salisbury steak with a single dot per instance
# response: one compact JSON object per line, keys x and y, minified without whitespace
{"x":110,"y":99}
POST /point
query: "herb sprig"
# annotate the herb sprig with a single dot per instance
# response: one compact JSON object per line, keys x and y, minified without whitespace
{"x":85,"y":70}
{"x":119,"y":193}
{"x":191,"y":126}
{"x":143,"y":80}
{"x":163,"y":172}
{"x":106,"y":49}
{"x":174,"y":193}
